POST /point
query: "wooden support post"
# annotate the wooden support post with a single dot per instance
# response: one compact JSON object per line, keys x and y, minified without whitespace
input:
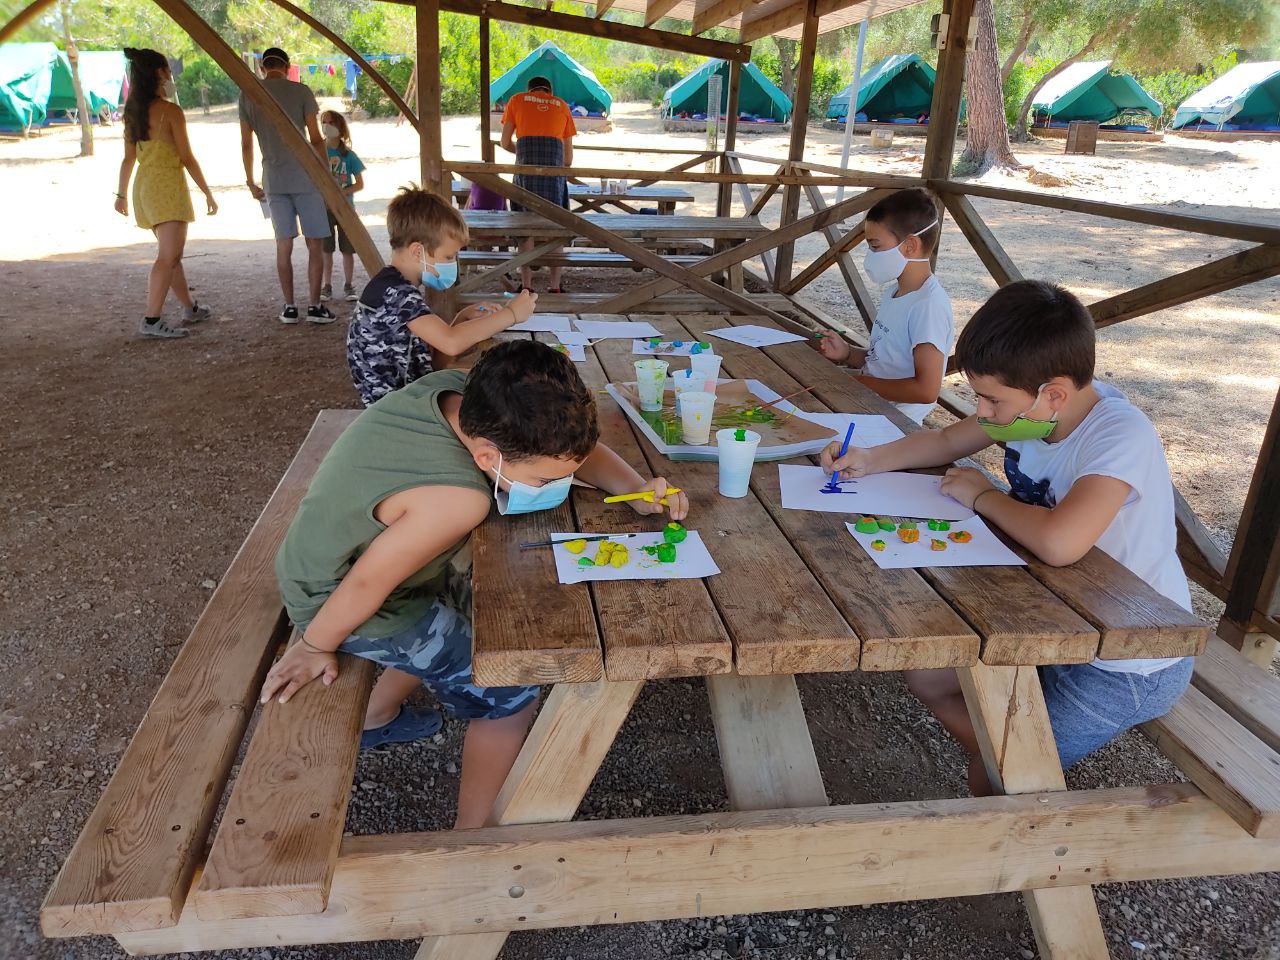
{"x":317,"y":169}
{"x":486,"y":108}
{"x":799,"y":131}
{"x":1007,"y":708}
{"x":427,"y":26}
{"x":948,"y":87}
{"x":724,"y":198}
{"x":1255,"y":555}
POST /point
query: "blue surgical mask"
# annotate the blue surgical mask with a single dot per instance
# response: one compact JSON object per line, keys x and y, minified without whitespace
{"x":446,"y":275}
{"x":525,"y":498}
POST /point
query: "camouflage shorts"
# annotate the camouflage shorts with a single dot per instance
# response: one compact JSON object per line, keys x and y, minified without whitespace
{"x":437,"y":650}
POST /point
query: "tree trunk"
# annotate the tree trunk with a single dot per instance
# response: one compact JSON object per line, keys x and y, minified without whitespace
{"x":787,"y":61}
{"x":1021,"y":133}
{"x":987,"y":141}
{"x":82,"y":107}
{"x":1019,"y":48}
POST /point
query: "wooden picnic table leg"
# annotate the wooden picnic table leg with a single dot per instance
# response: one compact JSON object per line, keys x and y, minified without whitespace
{"x":569,"y":740}
{"x":765,"y":748}
{"x":1007,"y":707}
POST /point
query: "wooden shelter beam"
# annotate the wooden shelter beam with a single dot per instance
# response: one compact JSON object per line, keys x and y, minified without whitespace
{"x":318,"y":170}
{"x":948,"y":87}
{"x":351,"y":52}
{"x":594,"y":27}
{"x":998,"y":263}
{"x":799,"y":133}
{"x":622,"y":871}
{"x":602,"y":7}
{"x":724,"y":195}
{"x":655,"y":10}
{"x":624,"y":302}
{"x":1236,"y":270}
{"x":717,"y":13}
{"x":468,"y":167}
{"x":581,"y":226}
{"x":486,"y":106}
{"x":427,"y":46}
{"x":768,"y":20}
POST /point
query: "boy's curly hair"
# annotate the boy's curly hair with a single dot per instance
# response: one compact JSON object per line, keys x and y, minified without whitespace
{"x":528,"y":400}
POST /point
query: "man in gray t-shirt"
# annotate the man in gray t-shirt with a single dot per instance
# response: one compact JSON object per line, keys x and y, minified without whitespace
{"x":286,"y":188}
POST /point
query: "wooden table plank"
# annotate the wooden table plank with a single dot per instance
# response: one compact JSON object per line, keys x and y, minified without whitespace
{"x":780,"y":618}
{"x":524,"y":632}
{"x":903,"y":623}
{"x":278,"y":841}
{"x":132,"y":865}
{"x":650,"y":628}
{"x":1133,"y":620}
{"x":1243,"y":689}
{"x":586,"y":192}
{"x":526,"y":224}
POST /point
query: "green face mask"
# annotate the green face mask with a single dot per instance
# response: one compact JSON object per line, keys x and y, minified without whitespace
{"x":1022,"y":427}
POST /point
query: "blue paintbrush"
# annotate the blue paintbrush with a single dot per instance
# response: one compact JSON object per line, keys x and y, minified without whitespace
{"x":833,"y":485}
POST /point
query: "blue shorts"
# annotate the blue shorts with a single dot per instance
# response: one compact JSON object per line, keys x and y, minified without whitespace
{"x":437,"y":650}
{"x":1088,"y":707}
{"x":291,"y":210}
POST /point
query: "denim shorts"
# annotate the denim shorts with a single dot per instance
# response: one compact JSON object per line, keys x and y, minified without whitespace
{"x":289,"y":210}
{"x":437,"y":650}
{"x":1088,"y":707}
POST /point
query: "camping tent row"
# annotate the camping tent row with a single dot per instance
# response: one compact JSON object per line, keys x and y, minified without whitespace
{"x":1246,"y":97}
{"x":571,"y":81}
{"x":35,"y":83}
{"x":897,"y":89}
{"x":1092,"y":92}
{"x":759,"y":99}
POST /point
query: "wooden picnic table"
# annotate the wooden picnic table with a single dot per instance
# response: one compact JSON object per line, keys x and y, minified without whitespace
{"x":588,"y":197}
{"x":520,"y":224}
{"x":796,"y":595}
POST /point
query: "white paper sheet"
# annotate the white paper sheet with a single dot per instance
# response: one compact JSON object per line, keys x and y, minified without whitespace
{"x":624,"y":329}
{"x":984,"y":550}
{"x":576,"y":352}
{"x":885,"y":494}
{"x":751,"y":335}
{"x":872,"y":429}
{"x":543,"y":323}
{"x":667,"y":348}
{"x":572,"y":338}
{"x":692,"y":560}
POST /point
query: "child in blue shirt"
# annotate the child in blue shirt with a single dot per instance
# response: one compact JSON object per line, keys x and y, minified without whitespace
{"x":348,"y":173}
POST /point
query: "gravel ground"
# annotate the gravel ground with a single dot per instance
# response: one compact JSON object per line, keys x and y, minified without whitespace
{"x":130,"y":473}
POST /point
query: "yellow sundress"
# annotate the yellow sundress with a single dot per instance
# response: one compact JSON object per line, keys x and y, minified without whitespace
{"x":160,"y":191}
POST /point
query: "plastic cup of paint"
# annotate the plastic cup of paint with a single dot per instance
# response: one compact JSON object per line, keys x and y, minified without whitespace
{"x":651,"y":380}
{"x":706,"y":366}
{"x":604,"y":184}
{"x":736,"y":458}
{"x":686,"y":380}
{"x":696,"y":409}
{"x":624,"y":185}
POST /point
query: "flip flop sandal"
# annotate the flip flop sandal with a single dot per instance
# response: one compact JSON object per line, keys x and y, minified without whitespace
{"x":411,"y":723}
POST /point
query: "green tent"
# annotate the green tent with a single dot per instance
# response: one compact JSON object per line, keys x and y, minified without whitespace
{"x":1246,"y":97}
{"x":570,"y":80}
{"x":26,"y":78}
{"x":101,"y":79}
{"x":1090,"y":91}
{"x":758,"y":96}
{"x":899,"y":86}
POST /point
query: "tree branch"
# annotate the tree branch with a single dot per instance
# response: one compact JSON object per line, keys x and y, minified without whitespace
{"x":1019,"y":48}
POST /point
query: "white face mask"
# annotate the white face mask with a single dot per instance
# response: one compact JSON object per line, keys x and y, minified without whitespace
{"x":885,"y":266}
{"x":169,"y":90}
{"x":329,"y":130}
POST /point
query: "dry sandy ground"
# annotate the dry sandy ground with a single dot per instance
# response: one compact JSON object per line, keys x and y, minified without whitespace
{"x":130,"y":472}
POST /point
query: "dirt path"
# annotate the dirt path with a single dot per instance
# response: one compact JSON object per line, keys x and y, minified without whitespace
{"x":130,"y":472}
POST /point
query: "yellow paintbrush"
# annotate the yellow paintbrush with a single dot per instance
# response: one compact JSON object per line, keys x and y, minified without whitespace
{"x":642,"y":495}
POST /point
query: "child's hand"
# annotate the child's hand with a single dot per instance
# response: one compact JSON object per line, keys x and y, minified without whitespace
{"x":122,"y":206}
{"x":522,"y":305}
{"x":677,"y":503}
{"x":854,"y":464}
{"x":965,"y":484}
{"x":256,"y":191}
{"x":210,"y":203}
{"x":298,"y":667}
{"x":833,"y":347}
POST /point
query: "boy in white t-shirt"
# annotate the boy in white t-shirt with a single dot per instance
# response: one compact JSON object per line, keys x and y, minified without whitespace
{"x":913,"y":329}
{"x":1085,"y":467}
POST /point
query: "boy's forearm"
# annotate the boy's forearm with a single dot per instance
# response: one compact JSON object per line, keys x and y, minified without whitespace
{"x":907,"y":390}
{"x":462,"y":336}
{"x":604,"y":469}
{"x":246,"y":157}
{"x":347,"y":607}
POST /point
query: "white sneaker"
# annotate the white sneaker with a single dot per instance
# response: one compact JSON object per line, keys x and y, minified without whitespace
{"x":160,"y":330}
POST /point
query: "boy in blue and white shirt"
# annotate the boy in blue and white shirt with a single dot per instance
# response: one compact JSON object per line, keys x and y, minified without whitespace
{"x":1085,"y":468}
{"x":913,"y":329}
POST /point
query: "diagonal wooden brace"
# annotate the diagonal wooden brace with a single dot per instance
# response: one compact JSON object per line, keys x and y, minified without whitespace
{"x":517,"y":261}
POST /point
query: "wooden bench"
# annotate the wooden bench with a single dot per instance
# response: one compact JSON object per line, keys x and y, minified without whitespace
{"x":568,"y":258}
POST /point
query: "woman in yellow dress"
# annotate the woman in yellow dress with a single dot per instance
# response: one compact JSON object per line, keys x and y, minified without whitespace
{"x":155,"y":138}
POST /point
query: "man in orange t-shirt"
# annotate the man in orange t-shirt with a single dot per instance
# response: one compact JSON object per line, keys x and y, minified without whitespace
{"x":537,"y":126}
